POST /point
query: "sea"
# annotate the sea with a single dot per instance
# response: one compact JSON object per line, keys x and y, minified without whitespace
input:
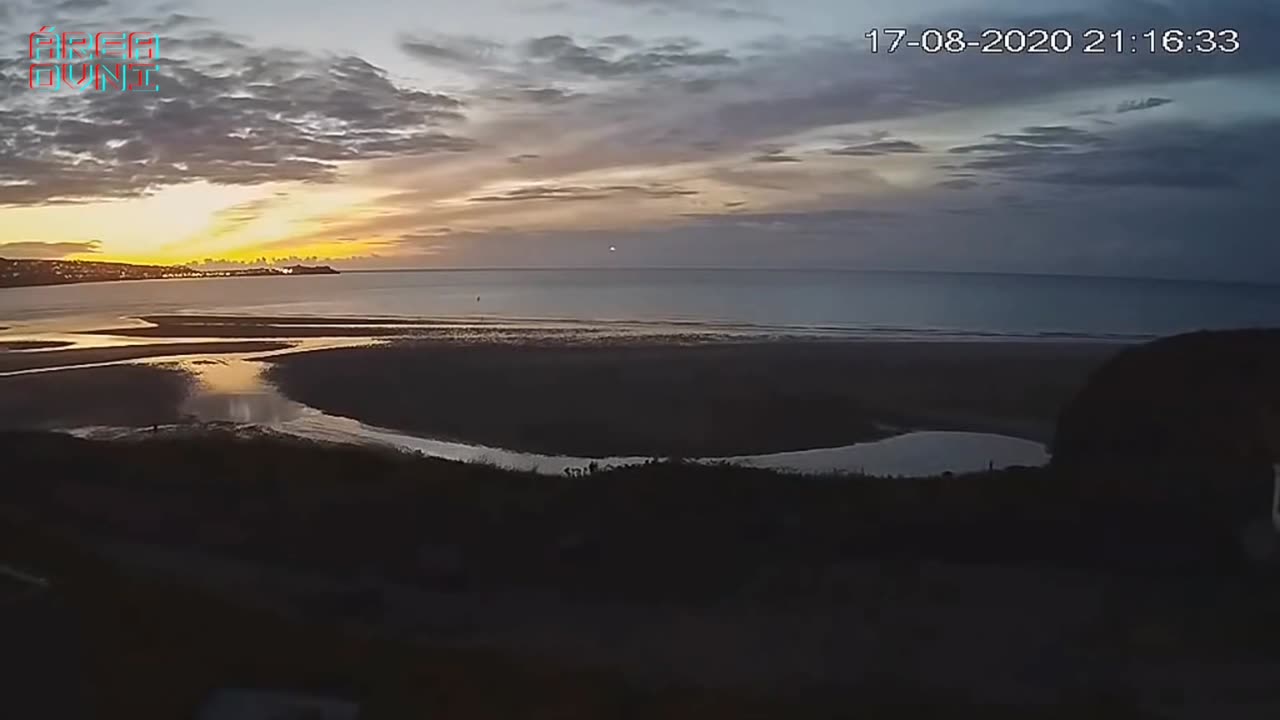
{"x":891,"y":305}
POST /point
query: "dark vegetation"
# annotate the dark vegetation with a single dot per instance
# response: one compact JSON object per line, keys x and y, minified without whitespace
{"x":659,"y":534}
{"x":661,"y":529}
{"x":1194,"y":416}
{"x":698,"y":400}
{"x":102,"y":643}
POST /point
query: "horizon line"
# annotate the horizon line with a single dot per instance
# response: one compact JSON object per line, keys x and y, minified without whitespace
{"x":335,"y":264}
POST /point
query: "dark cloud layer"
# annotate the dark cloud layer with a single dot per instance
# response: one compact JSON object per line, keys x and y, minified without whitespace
{"x":251,"y":116}
{"x":451,"y":49}
{"x":1169,"y":156}
{"x":584,"y":192}
{"x":714,"y":9}
{"x":1136,"y":105}
{"x":564,"y":53}
{"x":794,"y":84}
{"x":534,"y":95}
{"x":776,"y":156}
{"x":47,"y":250}
{"x":878,"y":147}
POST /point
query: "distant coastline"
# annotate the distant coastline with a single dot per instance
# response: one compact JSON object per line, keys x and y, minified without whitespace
{"x":29,"y":273}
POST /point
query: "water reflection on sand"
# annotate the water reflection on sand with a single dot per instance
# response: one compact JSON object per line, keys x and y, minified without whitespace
{"x":233,"y":391}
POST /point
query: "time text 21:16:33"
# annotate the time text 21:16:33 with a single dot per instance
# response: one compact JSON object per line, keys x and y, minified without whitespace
{"x":1041,"y":41}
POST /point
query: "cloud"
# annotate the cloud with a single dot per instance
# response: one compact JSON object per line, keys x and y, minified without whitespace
{"x":534,"y":95}
{"x":601,"y":110}
{"x":1027,"y":147}
{"x":1183,"y":156}
{"x":583,"y":192}
{"x":81,"y":4}
{"x":622,"y":41}
{"x":775,"y":156}
{"x":48,"y":250}
{"x":793,"y":84}
{"x":563,"y":53}
{"x":714,"y":9}
{"x":174,"y":21}
{"x":463,"y":50}
{"x":228,"y":220}
{"x":535,"y":70}
{"x":877,"y":147}
{"x":1135,"y":105}
{"x":235,"y":116}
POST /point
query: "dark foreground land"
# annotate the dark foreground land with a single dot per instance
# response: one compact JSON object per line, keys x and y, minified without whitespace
{"x":704,"y":399}
{"x":188,"y":561}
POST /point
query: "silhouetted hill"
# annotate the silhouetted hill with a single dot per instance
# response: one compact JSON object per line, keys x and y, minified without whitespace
{"x":1184,"y":417}
{"x":19,"y":273}
{"x":23,"y":273}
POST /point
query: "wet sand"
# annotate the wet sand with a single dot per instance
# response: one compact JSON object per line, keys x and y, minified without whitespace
{"x":20,"y":345}
{"x":251,"y":331}
{"x":468,"y":328}
{"x":697,"y":399}
{"x":16,"y":361}
{"x":249,"y":321}
{"x":121,"y":395}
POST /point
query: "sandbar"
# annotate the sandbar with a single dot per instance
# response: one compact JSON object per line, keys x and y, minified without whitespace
{"x":691,"y":399}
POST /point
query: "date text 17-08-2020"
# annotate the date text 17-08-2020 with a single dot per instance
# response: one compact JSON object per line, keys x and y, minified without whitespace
{"x":1060,"y":41}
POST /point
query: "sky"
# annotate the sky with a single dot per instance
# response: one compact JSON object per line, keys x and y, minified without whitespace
{"x":650,"y":133}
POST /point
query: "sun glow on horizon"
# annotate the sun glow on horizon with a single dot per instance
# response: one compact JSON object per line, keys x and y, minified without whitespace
{"x":199,"y":221}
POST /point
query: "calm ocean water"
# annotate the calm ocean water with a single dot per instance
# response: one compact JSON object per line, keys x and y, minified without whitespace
{"x":877,"y":304}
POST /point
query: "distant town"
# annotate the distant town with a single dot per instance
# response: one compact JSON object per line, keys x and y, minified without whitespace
{"x":21,"y":273}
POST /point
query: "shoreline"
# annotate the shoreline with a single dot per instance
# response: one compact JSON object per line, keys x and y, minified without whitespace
{"x":536,"y":329}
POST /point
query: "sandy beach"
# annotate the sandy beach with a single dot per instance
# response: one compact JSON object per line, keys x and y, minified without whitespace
{"x":6,"y":345}
{"x":600,"y":391}
{"x":690,"y":399}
